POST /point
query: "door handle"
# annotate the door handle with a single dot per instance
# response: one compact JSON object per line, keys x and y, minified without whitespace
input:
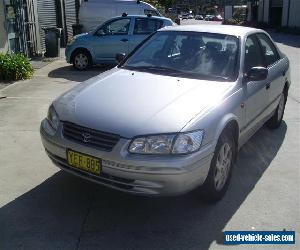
{"x":124,"y":40}
{"x":268,"y":85}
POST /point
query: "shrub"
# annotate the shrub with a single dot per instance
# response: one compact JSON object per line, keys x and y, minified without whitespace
{"x":230,"y":21}
{"x":14,"y":67}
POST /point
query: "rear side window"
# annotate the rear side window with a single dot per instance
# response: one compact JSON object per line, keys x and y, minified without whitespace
{"x":269,"y":51}
{"x":115,"y":27}
{"x":145,"y":26}
{"x":253,"y":56}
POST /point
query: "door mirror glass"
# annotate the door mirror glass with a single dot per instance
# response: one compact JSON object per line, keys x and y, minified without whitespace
{"x":256,"y":74}
{"x":120,"y":57}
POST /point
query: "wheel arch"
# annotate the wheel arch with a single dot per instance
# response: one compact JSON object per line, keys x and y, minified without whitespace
{"x":229,"y":123}
{"x":81,"y":49}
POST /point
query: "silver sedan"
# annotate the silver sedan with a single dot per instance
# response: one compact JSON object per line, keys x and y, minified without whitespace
{"x":172,"y":116}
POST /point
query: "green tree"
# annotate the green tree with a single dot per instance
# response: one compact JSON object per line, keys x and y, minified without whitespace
{"x":161,"y":3}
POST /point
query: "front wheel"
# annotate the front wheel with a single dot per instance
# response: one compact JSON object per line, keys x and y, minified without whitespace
{"x":217,"y":181}
{"x":276,"y":120}
{"x":82,"y":60}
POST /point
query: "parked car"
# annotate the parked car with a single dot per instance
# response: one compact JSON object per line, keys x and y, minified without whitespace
{"x":118,"y":35}
{"x":172,"y":116}
{"x":185,"y":16}
{"x":190,"y":16}
{"x":218,"y":18}
{"x":93,"y":13}
{"x":209,"y":18}
{"x":199,"y":17}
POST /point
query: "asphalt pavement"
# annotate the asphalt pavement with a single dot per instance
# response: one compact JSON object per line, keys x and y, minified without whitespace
{"x":44,"y":208}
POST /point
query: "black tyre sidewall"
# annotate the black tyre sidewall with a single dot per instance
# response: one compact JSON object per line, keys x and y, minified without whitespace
{"x":208,"y":190}
{"x":88,"y":57}
{"x":273,"y":122}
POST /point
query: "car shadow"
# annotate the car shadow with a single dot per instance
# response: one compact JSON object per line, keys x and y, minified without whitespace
{"x":66,"y":212}
{"x":71,"y":74}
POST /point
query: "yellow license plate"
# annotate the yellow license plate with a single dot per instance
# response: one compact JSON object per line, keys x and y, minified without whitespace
{"x":84,"y":162}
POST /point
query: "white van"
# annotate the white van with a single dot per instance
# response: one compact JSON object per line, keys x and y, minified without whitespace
{"x":92,"y":13}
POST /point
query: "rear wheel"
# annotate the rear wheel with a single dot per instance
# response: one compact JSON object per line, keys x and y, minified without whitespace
{"x":217,"y":181}
{"x":82,"y":60}
{"x":276,"y":120}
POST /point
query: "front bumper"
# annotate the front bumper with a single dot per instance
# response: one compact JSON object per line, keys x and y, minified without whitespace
{"x":68,"y":52}
{"x":137,"y":174}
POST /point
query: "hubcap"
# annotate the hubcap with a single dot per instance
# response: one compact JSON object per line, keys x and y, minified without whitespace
{"x":280,"y":107}
{"x":81,"y":61}
{"x":223,"y":166}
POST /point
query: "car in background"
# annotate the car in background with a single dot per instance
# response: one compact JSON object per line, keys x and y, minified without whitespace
{"x":209,"y":18}
{"x":191,"y":16}
{"x":185,"y":16}
{"x":172,"y":116}
{"x":199,"y":17}
{"x":118,"y":35}
{"x":218,"y":18}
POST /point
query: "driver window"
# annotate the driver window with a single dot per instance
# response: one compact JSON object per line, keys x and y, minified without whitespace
{"x":253,"y":55}
{"x":116,"y":27}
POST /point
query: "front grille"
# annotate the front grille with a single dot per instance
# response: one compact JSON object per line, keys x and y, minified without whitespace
{"x":90,"y":137}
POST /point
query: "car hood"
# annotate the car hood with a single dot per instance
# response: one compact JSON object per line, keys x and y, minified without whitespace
{"x":131,"y":103}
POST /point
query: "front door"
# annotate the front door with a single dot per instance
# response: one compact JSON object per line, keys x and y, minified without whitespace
{"x":110,"y":39}
{"x":256,"y":94}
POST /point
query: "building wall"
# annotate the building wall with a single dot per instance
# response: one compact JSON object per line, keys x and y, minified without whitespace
{"x":260,"y":10}
{"x":249,"y":16}
{"x":294,"y":16}
{"x":3,"y":34}
{"x":228,"y":12}
{"x":266,"y":11}
{"x":285,"y":9}
{"x":290,"y":12}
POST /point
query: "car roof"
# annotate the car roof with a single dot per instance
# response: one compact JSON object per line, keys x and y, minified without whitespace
{"x":234,"y":30}
{"x":144,"y":16}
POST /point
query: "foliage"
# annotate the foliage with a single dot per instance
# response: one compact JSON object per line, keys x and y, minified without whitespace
{"x":14,"y":67}
{"x":161,"y":3}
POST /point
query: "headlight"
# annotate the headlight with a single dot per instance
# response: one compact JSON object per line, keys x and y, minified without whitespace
{"x":72,"y":40}
{"x":188,"y":142}
{"x":53,"y":117}
{"x":156,"y":144}
{"x":181,"y":143}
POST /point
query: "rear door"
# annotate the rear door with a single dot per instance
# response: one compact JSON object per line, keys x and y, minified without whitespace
{"x":277,"y":69}
{"x":143,"y":27}
{"x":111,"y":38}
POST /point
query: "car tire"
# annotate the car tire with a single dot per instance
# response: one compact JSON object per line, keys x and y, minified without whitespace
{"x":275,"y":121}
{"x":82,"y":60}
{"x":219,"y":175}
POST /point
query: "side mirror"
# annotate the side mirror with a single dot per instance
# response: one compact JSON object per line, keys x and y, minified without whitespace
{"x":120,"y":57}
{"x":256,"y":74}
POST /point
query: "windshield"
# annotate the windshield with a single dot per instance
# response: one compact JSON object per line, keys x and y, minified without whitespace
{"x":190,"y":54}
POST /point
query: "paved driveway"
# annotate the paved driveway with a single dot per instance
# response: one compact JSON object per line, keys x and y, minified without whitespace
{"x":44,"y":208}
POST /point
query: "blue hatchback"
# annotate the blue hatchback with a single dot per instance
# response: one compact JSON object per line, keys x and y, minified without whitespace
{"x":117,"y":35}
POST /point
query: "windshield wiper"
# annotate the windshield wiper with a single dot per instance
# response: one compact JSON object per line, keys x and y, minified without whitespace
{"x":156,"y":68}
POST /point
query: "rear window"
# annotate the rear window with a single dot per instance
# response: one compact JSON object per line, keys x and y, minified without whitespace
{"x":145,"y":26}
